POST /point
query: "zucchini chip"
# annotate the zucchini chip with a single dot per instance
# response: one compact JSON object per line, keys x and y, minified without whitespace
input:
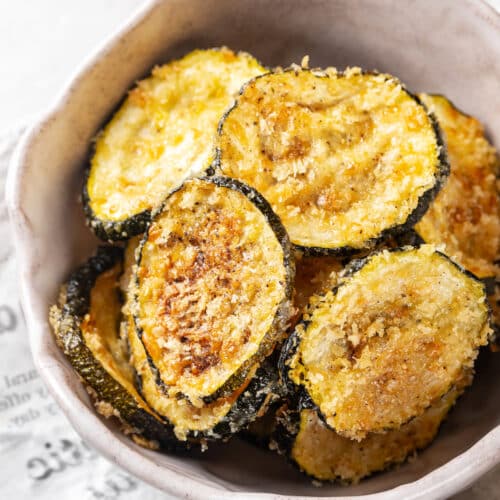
{"x":465,"y":216}
{"x":344,"y":159}
{"x":324,"y":455}
{"x":86,"y":327}
{"x":388,"y":341}
{"x":213,"y":288}
{"x":209,"y":421}
{"x":162,"y":134}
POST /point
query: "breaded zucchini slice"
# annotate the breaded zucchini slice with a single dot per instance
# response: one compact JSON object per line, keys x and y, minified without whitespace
{"x":343,"y":158}
{"x":324,"y":455}
{"x":388,"y":341}
{"x":213,"y":287}
{"x":86,"y":328}
{"x":162,"y":134}
{"x":218,"y":419}
{"x":465,"y":216}
{"x":313,"y":275}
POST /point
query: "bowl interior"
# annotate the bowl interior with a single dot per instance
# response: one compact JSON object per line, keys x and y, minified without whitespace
{"x":450,"y":47}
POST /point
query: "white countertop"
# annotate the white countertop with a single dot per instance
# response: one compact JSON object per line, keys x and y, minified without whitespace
{"x":43,"y":42}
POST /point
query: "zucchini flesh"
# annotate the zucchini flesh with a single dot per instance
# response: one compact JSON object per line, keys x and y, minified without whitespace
{"x":86,"y":328}
{"x":343,"y":158}
{"x":388,"y":341}
{"x":162,"y":134}
{"x":465,"y":215}
{"x":327,"y":456}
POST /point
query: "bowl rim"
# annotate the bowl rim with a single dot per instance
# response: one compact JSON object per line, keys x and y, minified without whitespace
{"x":441,"y":482}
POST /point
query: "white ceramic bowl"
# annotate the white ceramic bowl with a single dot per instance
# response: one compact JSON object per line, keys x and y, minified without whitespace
{"x":448,"y":46}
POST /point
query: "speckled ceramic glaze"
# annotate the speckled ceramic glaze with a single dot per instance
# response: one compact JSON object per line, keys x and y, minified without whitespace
{"x":447,"y":46}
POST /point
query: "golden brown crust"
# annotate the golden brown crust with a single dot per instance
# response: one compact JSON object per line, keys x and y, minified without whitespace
{"x":341,"y":158}
{"x":211,"y":280}
{"x":465,"y":215}
{"x":163,"y":133}
{"x":325,"y":455}
{"x":389,"y":341}
{"x":184,"y":417}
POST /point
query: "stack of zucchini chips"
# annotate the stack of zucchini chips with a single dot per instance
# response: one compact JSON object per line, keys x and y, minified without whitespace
{"x":304,"y":256}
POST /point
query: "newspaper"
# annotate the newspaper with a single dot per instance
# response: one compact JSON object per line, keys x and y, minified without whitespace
{"x":41,"y":456}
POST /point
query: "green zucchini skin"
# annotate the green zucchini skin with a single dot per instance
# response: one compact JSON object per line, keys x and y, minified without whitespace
{"x":74,"y":305}
{"x":262,"y":392}
{"x":283,"y":312}
{"x":395,"y":231}
{"x":298,"y":395}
